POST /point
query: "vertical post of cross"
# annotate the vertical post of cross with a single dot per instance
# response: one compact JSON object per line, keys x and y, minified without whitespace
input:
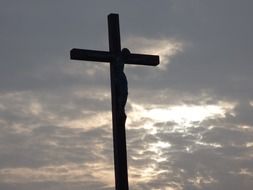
{"x":119,"y":136}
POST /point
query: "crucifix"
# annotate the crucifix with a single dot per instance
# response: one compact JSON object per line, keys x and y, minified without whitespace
{"x":119,"y":90}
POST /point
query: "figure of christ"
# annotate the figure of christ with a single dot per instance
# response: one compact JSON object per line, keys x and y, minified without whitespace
{"x":121,"y":86}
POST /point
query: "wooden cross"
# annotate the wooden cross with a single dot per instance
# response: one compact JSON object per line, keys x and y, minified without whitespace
{"x":117,"y":59}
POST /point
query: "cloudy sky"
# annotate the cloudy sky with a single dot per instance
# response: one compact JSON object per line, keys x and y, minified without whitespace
{"x":190,"y":124}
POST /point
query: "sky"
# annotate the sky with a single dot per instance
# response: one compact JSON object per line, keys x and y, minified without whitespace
{"x":189,"y":125}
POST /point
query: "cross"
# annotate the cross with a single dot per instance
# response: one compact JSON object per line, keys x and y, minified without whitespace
{"x":119,"y":90}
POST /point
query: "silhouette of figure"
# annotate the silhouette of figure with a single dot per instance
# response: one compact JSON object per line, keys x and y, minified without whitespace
{"x":121,"y":85}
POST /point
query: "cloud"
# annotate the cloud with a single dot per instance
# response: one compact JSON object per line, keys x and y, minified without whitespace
{"x":165,"y":48}
{"x":195,"y":155}
{"x":42,"y":143}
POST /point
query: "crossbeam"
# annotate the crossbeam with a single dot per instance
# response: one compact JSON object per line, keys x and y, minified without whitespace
{"x":104,"y":56}
{"x":91,"y":55}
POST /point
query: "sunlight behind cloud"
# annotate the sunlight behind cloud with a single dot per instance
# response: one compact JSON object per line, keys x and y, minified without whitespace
{"x":165,"y":48}
{"x":184,"y":114}
{"x":180,"y":114}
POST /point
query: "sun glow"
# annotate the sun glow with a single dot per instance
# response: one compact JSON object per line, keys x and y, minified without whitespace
{"x":165,"y":48}
{"x":182,"y":114}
